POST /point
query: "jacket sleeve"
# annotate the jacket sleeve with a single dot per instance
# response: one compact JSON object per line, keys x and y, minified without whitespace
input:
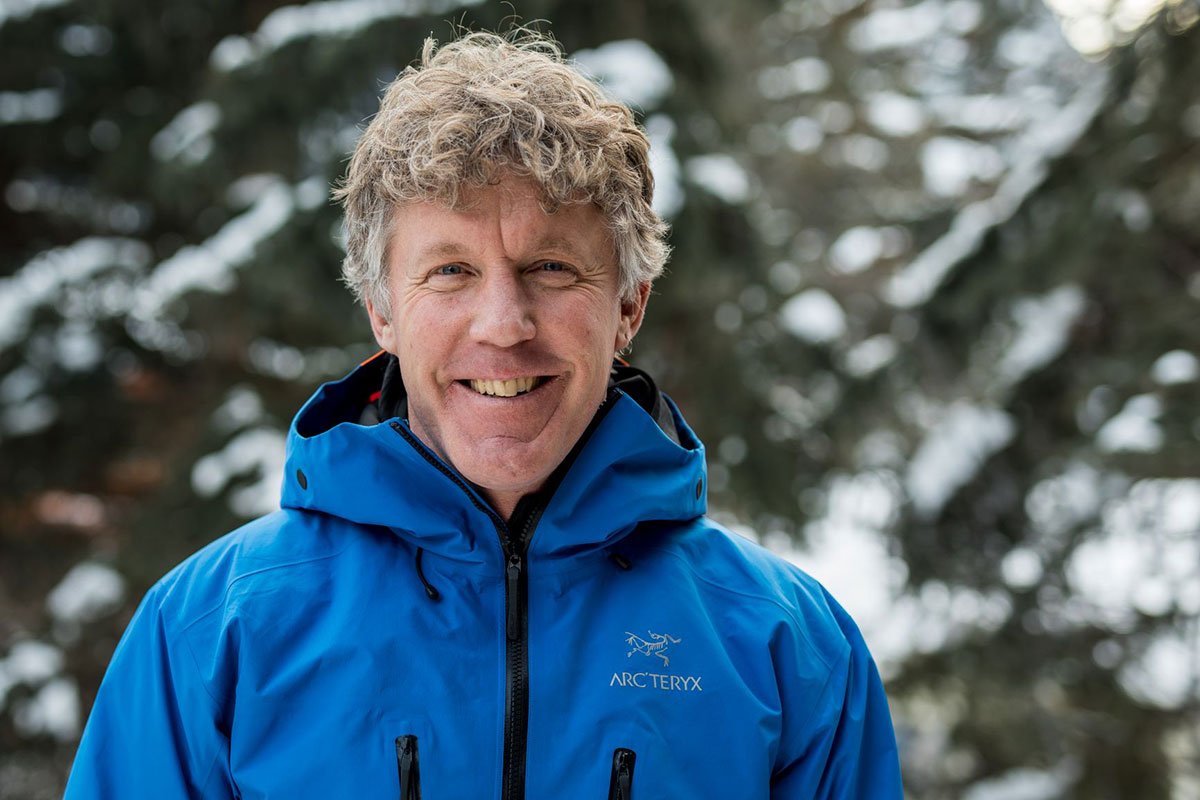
{"x":153,"y":731}
{"x":844,"y":747}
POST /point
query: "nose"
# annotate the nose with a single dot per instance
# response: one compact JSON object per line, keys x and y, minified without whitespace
{"x":503,"y":312}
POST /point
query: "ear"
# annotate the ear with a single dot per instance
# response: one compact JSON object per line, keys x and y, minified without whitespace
{"x":632,"y":312}
{"x":382,"y":328}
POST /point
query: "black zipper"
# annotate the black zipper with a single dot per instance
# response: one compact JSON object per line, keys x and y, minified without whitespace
{"x":516,"y":604}
{"x":409,"y":766}
{"x":524,"y":521}
{"x":620,"y":787}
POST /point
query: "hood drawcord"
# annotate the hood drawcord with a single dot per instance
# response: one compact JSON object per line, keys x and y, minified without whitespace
{"x":620,"y":560}
{"x":429,"y":589}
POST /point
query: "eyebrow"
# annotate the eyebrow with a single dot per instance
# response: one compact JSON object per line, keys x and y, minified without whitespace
{"x":440,"y":250}
{"x":455,"y":250}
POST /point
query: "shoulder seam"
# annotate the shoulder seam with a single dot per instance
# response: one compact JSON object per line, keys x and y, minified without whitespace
{"x":229,"y":586}
{"x":791,"y":613}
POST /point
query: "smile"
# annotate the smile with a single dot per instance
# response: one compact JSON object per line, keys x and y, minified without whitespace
{"x":505,"y":388}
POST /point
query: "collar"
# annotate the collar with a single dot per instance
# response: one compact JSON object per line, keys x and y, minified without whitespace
{"x":638,"y":462}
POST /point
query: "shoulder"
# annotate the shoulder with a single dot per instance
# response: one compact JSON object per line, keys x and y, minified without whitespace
{"x":760,"y":587}
{"x":265,"y":555}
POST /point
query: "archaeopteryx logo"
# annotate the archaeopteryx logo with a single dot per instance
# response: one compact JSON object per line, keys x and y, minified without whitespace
{"x":654,"y":644}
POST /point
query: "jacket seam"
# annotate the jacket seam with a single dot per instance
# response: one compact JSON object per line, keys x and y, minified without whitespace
{"x":216,"y":704}
{"x":224,"y":601}
{"x":820,"y":703}
{"x":798,"y":623}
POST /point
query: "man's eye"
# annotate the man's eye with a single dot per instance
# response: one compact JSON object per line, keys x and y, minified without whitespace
{"x":449,"y":269}
{"x":554,"y":266}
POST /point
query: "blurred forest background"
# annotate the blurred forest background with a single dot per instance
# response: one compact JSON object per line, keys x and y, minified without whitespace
{"x":933,"y":306}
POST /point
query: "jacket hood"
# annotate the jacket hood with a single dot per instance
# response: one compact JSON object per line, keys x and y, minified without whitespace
{"x":628,"y":468}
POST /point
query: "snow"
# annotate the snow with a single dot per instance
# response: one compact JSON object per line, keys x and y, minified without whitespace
{"x":721,"y":176}
{"x":630,"y":70}
{"x":86,"y":593}
{"x":1135,"y":428}
{"x":1042,"y":329}
{"x":916,"y":283}
{"x":728,"y":317}
{"x":259,"y":452}
{"x":1145,"y":558}
{"x":44,"y":277}
{"x":864,"y":152}
{"x":37,"y":105}
{"x":950,"y":164}
{"x":1057,"y":504}
{"x":952,"y":452}
{"x":29,"y":662}
{"x":732,"y":450}
{"x":327,"y":18}
{"x":210,"y":265}
{"x":21,"y":9}
{"x":895,"y":114}
{"x":980,"y":114}
{"x":1021,"y":568}
{"x":870,"y":355}
{"x":892,"y":28}
{"x":242,"y":406}
{"x":20,"y":384}
{"x":1167,"y":674}
{"x":856,"y":249}
{"x":1026,"y":784}
{"x":803,"y":134}
{"x":835,"y":116}
{"x":807,"y":75}
{"x":77,"y":346}
{"x":85,"y":40}
{"x":963,"y":16}
{"x":53,"y":711}
{"x":1175,"y":367}
{"x":29,"y":416}
{"x":664,"y":165}
{"x":1025,"y":47}
{"x":846,"y":549}
{"x":188,"y":136}
{"x":814,"y":316}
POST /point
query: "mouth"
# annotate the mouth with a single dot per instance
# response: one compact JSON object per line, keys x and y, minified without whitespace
{"x":511,"y":387}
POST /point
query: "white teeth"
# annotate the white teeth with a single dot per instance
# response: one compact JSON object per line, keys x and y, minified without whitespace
{"x":509,"y":388}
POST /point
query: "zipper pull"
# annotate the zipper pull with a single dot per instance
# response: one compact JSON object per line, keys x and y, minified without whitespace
{"x":409,"y":766}
{"x":514,"y":597}
{"x":621,"y":785}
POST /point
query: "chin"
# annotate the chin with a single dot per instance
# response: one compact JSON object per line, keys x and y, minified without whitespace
{"x":507,"y":471}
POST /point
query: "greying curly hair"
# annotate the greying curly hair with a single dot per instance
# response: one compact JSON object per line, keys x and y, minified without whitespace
{"x":483,"y":106}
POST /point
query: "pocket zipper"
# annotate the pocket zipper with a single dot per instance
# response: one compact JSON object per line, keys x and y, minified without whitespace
{"x":621,"y":785}
{"x":409,"y":766}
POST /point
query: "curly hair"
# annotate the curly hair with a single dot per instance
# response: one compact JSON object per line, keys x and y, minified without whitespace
{"x":484,"y":106}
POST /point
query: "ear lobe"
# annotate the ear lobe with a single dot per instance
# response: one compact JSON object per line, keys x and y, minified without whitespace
{"x":380,"y":327}
{"x":632,"y":313}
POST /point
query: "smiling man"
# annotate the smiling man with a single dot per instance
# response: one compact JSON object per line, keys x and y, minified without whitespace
{"x":492,"y":574}
{"x":504,"y":320}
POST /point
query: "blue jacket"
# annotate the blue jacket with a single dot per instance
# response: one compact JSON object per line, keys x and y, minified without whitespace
{"x":387,"y":635}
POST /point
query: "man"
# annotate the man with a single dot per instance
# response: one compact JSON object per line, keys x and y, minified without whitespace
{"x":491,"y":574}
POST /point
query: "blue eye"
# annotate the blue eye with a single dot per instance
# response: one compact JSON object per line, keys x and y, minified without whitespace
{"x":449,"y":269}
{"x":554,"y":266}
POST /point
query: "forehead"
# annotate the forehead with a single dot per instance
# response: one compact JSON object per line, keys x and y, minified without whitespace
{"x":509,"y":220}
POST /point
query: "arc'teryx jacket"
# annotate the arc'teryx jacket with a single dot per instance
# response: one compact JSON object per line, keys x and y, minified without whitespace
{"x":387,"y":635}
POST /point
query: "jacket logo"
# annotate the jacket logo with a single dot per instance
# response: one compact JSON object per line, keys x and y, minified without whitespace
{"x":654,"y":646}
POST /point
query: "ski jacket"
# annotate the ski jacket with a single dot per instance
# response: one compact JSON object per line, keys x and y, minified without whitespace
{"x":387,"y":635}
